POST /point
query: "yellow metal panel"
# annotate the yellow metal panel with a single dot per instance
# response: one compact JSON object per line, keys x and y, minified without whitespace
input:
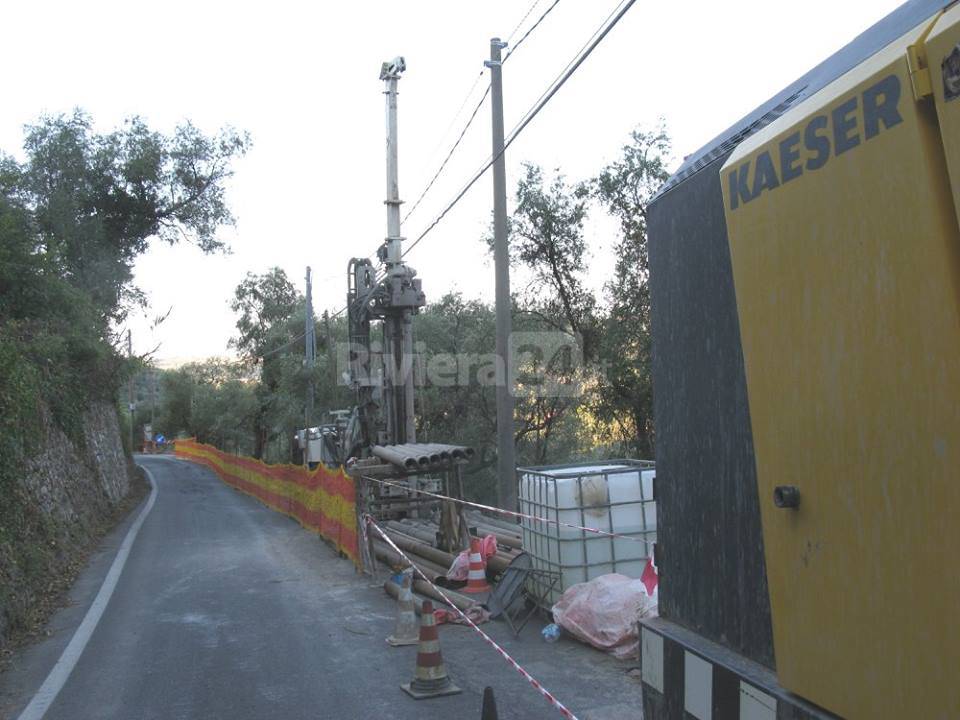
{"x":846,"y":259}
{"x":943,"y":56}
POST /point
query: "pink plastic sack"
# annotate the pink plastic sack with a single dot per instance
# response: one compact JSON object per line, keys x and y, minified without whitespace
{"x":461,"y":563}
{"x":604,"y":612}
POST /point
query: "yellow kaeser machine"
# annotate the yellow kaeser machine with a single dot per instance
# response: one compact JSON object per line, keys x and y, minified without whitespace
{"x":841,"y":215}
{"x":846,"y":264}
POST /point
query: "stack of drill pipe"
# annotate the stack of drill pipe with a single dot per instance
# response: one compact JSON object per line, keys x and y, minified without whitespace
{"x":446,"y":452}
{"x":460,"y":601}
{"x":393,"y":558}
{"x":464,"y":603}
{"x":506,"y":540}
{"x":499,"y":562}
{"x":413,"y":531}
{"x":405,"y":456}
{"x":403,"y":534}
{"x":503,"y":526}
{"x":415,"y":546}
{"x":413,"y":456}
{"x":419,"y":585}
{"x":415,"y":539}
{"x":495,"y":527}
{"x":422,"y":456}
{"x":393,"y":590}
{"x":392,"y":456}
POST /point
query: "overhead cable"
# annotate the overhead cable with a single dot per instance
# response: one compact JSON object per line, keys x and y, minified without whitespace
{"x":528,"y":117}
{"x":476,"y":109}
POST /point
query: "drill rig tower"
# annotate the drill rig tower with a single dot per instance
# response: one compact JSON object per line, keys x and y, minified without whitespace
{"x":384,"y":379}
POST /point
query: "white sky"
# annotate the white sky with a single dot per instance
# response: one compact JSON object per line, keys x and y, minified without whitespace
{"x":302,"y":78}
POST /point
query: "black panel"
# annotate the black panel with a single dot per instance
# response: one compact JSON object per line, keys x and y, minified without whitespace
{"x":708,"y":518}
{"x":673,"y":679}
{"x":726,"y":694}
{"x":654,"y":704}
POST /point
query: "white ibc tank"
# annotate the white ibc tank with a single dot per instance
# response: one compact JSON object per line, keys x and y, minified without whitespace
{"x":615,"y":496}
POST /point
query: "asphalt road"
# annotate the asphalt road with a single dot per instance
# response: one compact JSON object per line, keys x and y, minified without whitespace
{"x":226,"y":609}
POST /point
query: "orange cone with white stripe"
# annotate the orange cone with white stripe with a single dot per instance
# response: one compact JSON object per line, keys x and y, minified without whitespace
{"x":477,"y":574}
{"x":430,"y":678}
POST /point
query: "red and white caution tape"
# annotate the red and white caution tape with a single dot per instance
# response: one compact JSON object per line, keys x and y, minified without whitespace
{"x":511,"y":513}
{"x":490,"y":641}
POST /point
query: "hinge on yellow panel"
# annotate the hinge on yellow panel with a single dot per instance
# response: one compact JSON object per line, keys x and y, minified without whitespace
{"x":919,"y":71}
{"x":920,"y":77}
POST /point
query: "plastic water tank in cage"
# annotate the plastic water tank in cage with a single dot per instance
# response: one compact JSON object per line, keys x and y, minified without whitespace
{"x":615,"y":496}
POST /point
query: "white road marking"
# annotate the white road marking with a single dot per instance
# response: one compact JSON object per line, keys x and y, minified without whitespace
{"x":58,"y":676}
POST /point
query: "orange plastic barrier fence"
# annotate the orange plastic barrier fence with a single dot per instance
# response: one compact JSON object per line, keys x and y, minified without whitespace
{"x":323,"y":499}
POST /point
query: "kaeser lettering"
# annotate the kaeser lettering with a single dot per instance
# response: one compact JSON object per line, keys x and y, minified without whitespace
{"x":824,"y":136}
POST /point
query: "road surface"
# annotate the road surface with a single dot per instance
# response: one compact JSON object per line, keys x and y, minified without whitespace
{"x":227,"y":609}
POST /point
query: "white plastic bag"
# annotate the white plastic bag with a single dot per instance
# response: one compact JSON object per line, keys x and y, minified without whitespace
{"x":604,"y":612}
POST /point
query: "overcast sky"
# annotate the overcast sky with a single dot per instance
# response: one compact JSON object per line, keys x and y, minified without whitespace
{"x":302,"y":78}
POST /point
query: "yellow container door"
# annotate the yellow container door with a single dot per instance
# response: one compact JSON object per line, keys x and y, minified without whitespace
{"x":846,"y":256}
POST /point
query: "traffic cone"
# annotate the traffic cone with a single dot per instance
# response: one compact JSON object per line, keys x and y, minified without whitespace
{"x":430,"y":678}
{"x":477,"y":574}
{"x":405,"y":630}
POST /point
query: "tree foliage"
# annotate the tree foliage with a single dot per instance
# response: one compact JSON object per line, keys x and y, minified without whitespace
{"x":546,"y":235}
{"x":624,"y":397}
{"x":74,"y":216}
{"x":591,"y":402}
{"x":96,"y":201}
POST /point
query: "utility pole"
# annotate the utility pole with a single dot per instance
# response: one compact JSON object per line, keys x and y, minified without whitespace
{"x":310,"y":353}
{"x":131,"y":402}
{"x":332,"y":371}
{"x":506,"y":455}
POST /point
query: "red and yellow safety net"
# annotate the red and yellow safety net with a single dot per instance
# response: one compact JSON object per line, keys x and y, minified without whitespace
{"x":322,"y":499}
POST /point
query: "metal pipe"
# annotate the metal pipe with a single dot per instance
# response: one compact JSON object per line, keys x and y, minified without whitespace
{"x":393,"y":558}
{"x":415,"y":546}
{"x":462,"y":602}
{"x":393,"y":457}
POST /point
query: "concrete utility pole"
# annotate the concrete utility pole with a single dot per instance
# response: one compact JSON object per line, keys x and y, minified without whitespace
{"x":310,"y":352}
{"x":131,"y":404}
{"x":506,"y":456}
{"x":331,"y":368}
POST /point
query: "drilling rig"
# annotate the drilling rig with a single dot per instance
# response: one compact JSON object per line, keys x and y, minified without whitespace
{"x":380,"y":437}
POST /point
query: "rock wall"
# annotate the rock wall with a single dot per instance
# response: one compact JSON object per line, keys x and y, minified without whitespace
{"x":68,"y":495}
{"x":78,"y":484}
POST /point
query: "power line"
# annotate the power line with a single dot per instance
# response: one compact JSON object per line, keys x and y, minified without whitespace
{"x":287,"y":344}
{"x":449,"y":154}
{"x":453,"y":121}
{"x":476,"y":109}
{"x":551,"y":90}
{"x":530,"y":30}
{"x":523,"y":19}
{"x":601,"y":32}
